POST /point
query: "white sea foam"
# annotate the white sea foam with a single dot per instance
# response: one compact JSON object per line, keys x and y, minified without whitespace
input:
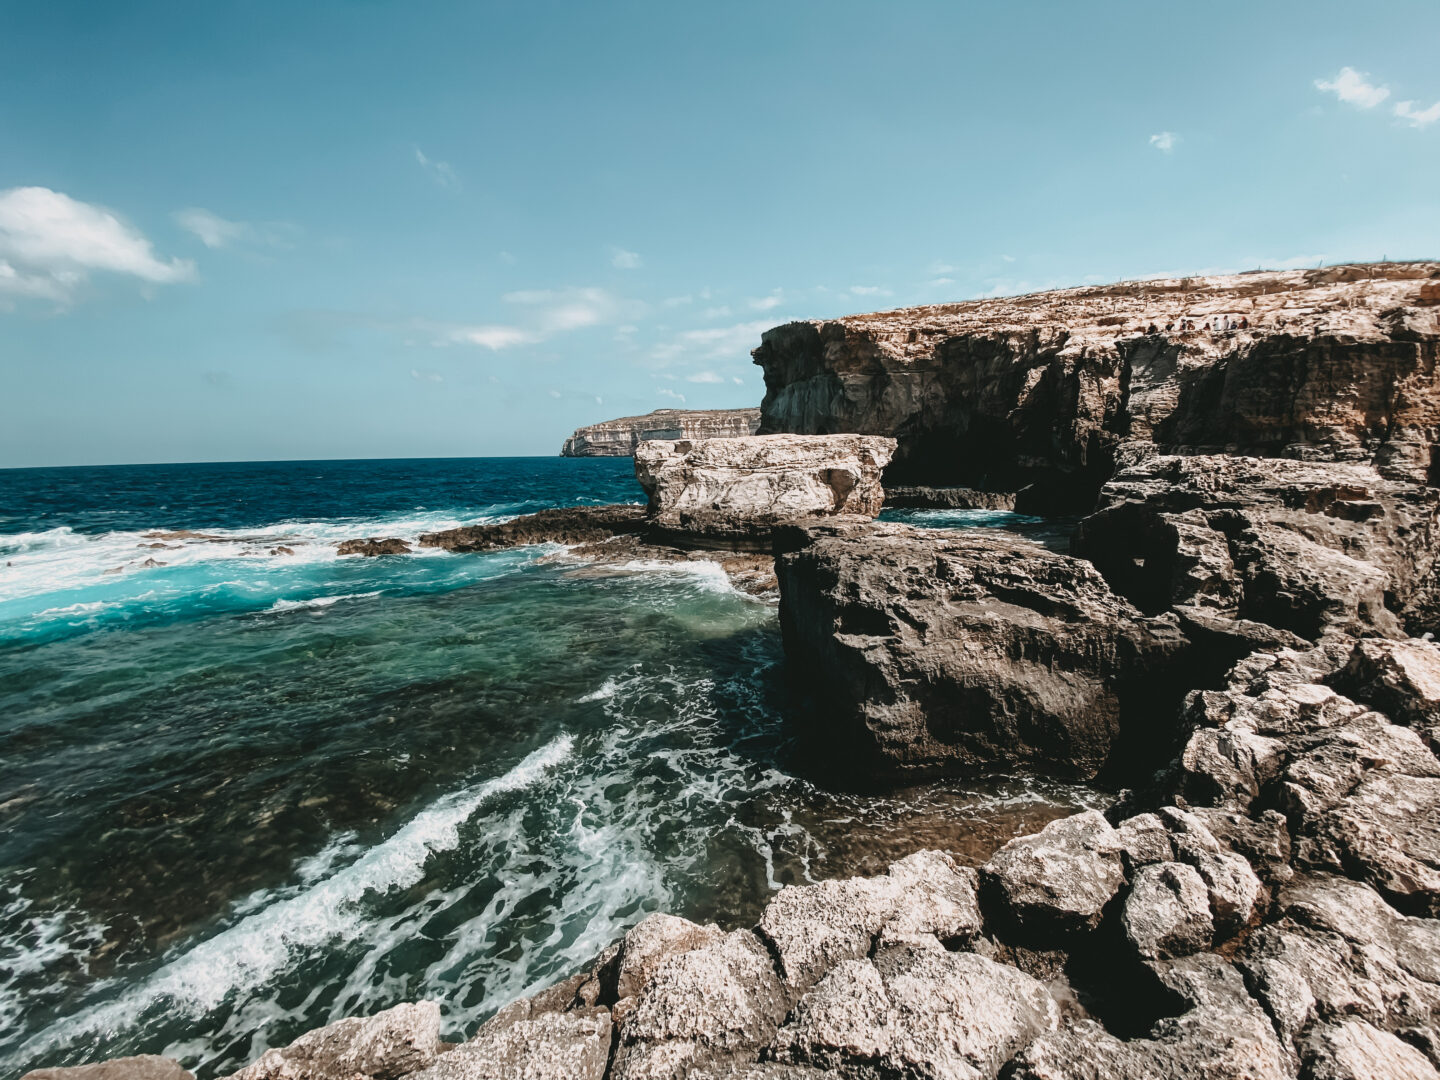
{"x":262,"y":945}
{"x":320,"y":601}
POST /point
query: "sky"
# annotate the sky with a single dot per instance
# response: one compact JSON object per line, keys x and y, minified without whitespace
{"x":267,"y":230}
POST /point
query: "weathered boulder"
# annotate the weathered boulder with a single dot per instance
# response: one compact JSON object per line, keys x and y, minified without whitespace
{"x":945,"y":651}
{"x":720,"y":1002}
{"x":925,"y":900}
{"x":139,"y":1067}
{"x":548,"y":1045}
{"x":1354,"y":1050}
{"x":1057,"y":881}
{"x":618,"y":438}
{"x":920,"y":1013}
{"x":386,"y":1046}
{"x":1313,"y":548}
{"x":1167,"y":912}
{"x":765,"y":478}
{"x":1399,"y":678}
{"x":1046,"y":391}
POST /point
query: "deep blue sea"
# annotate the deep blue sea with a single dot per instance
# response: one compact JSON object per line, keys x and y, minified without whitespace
{"x":248,"y":787}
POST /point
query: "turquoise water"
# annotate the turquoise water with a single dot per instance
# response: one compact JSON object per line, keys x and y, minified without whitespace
{"x":245,"y":793}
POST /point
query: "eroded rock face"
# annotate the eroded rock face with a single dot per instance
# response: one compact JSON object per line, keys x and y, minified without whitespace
{"x":618,"y":438}
{"x":386,"y":1046}
{"x":1312,"y":548}
{"x":765,"y":478}
{"x":1048,"y":389}
{"x":941,"y":651}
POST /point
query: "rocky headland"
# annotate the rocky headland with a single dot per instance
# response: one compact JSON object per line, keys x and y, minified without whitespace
{"x":1239,"y":644}
{"x":618,"y":438}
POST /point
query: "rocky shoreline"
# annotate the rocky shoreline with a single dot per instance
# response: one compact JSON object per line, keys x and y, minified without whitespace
{"x":1240,"y":642}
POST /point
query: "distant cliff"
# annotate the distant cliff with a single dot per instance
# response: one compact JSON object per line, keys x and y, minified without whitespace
{"x":617,"y":438}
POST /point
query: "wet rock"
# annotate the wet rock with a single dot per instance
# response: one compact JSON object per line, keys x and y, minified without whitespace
{"x":765,"y":478}
{"x":139,"y":1067}
{"x":925,"y":899}
{"x":386,"y":1046}
{"x":282,"y":550}
{"x":568,"y":525}
{"x":1399,"y":678}
{"x":720,"y":1002}
{"x":950,"y":651}
{"x":1354,"y":1050}
{"x":1056,"y":881}
{"x":918,"y":1013}
{"x":1167,"y":912}
{"x":373,"y":545}
{"x":947,"y":498}
{"x":547,"y":1046}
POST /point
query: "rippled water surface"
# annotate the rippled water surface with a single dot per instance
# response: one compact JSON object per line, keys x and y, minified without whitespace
{"x":245,"y":792}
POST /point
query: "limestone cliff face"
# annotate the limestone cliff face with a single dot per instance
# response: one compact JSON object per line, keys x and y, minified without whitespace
{"x":618,"y":438}
{"x":1054,"y":390}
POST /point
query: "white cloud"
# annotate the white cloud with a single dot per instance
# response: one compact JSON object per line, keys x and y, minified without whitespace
{"x":426,"y":376}
{"x":1164,"y":141}
{"x":941,"y":268}
{"x":677,"y":301}
{"x":493,"y":338}
{"x":704,"y":377}
{"x":712,"y":343}
{"x":868,"y":290}
{"x":665,"y":391}
{"x":213,"y":230}
{"x":721,"y":312}
{"x":625,"y":260}
{"x":766,"y":303}
{"x":556,"y":394}
{"x":1418,"y":118}
{"x":939,"y":281}
{"x":737,"y":380}
{"x":1354,"y":88}
{"x":439,"y":171}
{"x":1008,"y":258}
{"x":50,"y":243}
{"x":506,"y":258}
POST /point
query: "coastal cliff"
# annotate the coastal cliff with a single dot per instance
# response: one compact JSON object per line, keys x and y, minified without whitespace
{"x":1240,"y":644}
{"x":1045,"y":394}
{"x":618,"y":438}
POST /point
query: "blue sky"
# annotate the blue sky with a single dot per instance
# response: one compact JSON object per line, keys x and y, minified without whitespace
{"x":363,"y":229}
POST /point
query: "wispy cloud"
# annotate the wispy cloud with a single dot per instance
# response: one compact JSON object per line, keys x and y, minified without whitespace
{"x":1164,"y":141}
{"x":492,"y":337}
{"x":767,"y":303}
{"x":625,"y":260}
{"x":712,"y":343}
{"x":1354,"y":88}
{"x":439,"y":171}
{"x":868,"y":290}
{"x":674,"y":395}
{"x":426,"y":376}
{"x":51,"y":243}
{"x":704,"y":377}
{"x":212,"y":229}
{"x":542,"y":314}
{"x":1415,"y":117}
{"x":941,"y":281}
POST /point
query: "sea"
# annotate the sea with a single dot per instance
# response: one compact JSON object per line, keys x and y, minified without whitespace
{"x":249,"y":787}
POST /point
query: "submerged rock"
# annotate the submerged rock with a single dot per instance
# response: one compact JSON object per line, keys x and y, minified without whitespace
{"x":139,"y":1067}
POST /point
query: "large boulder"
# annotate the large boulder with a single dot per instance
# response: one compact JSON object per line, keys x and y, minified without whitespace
{"x":764,"y":478}
{"x":1058,"y":881}
{"x":386,"y":1046}
{"x":918,"y":1013}
{"x":940,"y":651}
